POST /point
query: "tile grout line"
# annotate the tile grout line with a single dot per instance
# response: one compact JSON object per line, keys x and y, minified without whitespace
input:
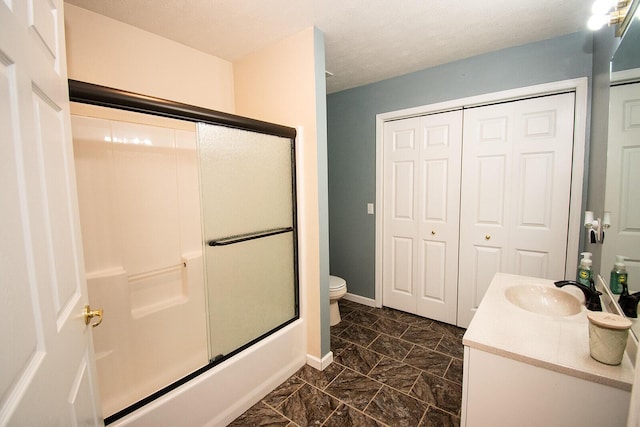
{"x":442,"y":331}
{"x":287,"y":398}
{"x":424,"y":416}
{"x":344,"y":368}
{"x":403,"y":359}
{"x":372,"y":399}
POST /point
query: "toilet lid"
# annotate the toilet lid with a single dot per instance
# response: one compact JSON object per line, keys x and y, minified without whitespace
{"x":336,"y":283}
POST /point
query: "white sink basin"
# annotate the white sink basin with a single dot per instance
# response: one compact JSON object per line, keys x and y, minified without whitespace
{"x":543,"y":300}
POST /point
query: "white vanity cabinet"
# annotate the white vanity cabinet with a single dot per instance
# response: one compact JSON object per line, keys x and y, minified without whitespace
{"x":522,"y":368}
{"x":499,"y":391}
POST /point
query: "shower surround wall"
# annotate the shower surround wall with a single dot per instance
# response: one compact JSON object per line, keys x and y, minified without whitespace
{"x":140,"y":217}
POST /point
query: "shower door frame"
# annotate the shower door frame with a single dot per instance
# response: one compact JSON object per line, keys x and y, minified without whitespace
{"x":89,"y":93}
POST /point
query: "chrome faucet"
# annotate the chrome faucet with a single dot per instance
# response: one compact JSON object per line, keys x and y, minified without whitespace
{"x":591,"y":295}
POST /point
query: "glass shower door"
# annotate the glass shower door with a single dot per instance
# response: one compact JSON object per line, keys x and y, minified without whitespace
{"x":248,"y":204}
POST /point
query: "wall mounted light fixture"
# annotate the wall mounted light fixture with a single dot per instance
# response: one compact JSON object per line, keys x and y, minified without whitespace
{"x":597,"y":226}
{"x":612,"y":12}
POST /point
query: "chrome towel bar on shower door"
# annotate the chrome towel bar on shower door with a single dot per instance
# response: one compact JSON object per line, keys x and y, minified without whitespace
{"x":230,"y":240}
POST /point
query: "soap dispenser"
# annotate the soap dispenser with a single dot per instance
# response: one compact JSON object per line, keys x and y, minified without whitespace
{"x":585,"y":274}
{"x":618,"y":278}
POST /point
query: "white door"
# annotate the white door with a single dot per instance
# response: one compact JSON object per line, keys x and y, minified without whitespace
{"x":421,"y":176}
{"x":47,"y":371}
{"x":623,"y":175}
{"x":516,"y":178}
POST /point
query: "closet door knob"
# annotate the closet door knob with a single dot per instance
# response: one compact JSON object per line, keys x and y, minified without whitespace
{"x":433,"y":233}
{"x":487,"y":237}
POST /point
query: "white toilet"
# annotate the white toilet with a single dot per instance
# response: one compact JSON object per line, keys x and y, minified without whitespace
{"x":337,"y":289}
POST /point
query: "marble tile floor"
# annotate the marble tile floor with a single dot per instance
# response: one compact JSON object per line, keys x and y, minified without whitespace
{"x":390,"y":369}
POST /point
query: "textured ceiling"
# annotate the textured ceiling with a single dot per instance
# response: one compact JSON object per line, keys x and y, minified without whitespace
{"x":365,"y":40}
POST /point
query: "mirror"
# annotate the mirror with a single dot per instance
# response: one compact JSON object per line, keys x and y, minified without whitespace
{"x":622,"y":196}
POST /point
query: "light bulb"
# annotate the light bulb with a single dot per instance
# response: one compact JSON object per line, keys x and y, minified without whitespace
{"x":602,"y":7}
{"x":597,"y":21}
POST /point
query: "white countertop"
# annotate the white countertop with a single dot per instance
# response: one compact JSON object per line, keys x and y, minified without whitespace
{"x":553,"y":342}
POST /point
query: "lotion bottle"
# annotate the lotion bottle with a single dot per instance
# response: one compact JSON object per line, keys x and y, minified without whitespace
{"x":618,"y":278}
{"x":584,"y":269}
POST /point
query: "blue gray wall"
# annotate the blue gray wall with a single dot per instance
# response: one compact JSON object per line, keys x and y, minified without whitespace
{"x":323,"y":214}
{"x":351,"y":132}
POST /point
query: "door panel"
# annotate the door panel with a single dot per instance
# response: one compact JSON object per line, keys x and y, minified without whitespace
{"x":486,"y":262}
{"x":49,"y":130}
{"x":433,"y":262}
{"x":490,"y":193}
{"x":403,"y":174}
{"x":402,"y":267}
{"x":536,"y":180}
{"x":434,"y":183}
{"x":623,"y":175}
{"x":516,"y":184}
{"x":399,"y":210}
{"x":440,"y":208}
{"x":48,"y":371}
{"x":531,"y":263}
{"x":542,"y":181}
{"x":421,"y":211}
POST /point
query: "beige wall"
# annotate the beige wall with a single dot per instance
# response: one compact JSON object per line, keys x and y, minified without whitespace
{"x":110,"y":53}
{"x":278,"y":84}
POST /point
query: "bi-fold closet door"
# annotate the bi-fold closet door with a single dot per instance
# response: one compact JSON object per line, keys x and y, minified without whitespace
{"x":421,"y":208}
{"x":509,"y":185}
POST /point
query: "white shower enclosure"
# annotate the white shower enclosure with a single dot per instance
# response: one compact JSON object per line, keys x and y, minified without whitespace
{"x":189,"y":234}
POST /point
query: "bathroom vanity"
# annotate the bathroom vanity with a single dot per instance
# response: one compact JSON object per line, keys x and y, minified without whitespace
{"x":527,"y":361}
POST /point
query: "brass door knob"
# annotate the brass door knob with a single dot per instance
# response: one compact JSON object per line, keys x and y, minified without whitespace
{"x":89,"y":314}
{"x":433,"y":233}
{"x":487,"y":237}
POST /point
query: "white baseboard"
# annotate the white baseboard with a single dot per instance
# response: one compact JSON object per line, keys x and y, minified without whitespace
{"x":320,"y":364}
{"x":360,"y":300}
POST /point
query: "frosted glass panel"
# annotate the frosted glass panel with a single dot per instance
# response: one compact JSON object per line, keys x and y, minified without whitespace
{"x":246,"y":180}
{"x":251,"y":290}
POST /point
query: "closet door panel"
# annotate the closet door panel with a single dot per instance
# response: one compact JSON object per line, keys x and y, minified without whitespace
{"x":488,"y":197}
{"x":439,"y":202}
{"x":421,"y":214}
{"x":515,"y":193}
{"x":403,"y":191}
{"x":486,"y":261}
{"x":433,"y":270}
{"x":541,"y":184}
{"x":402,"y":266}
{"x":401,"y":153}
{"x":485,"y":197}
{"x":531,"y":263}
{"x":434,"y":184}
